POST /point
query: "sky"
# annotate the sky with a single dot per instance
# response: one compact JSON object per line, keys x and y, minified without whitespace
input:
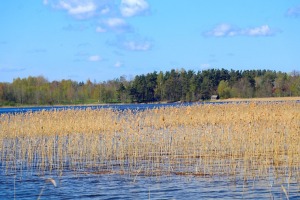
{"x":102,"y":40}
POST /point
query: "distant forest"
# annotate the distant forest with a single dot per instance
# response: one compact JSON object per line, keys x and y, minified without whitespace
{"x":170,"y":86}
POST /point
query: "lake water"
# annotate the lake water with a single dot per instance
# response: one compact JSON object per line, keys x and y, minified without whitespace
{"x":111,"y":106}
{"x":16,"y":184}
{"x":113,"y":186}
{"x":108,"y":106}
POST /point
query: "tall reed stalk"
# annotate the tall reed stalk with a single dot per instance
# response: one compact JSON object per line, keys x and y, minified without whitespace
{"x":241,"y":140}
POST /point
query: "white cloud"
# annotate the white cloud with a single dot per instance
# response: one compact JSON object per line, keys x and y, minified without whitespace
{"x":259,"y":31}
{"x":94,"y":58}
{"x":111,"y":14}
{"x":132,"y":42}
{"x":100,"y":29}
{"x":89,"y":8}
{"x":131,"y":8}
{"x":227,"y":30}
{"x":137,"y":46}
{"x":81,"y":9}
{"x":118,"y":64}
{"x":294,"y":11}
{"x":222,"y":30}
{"x":115,"y":22}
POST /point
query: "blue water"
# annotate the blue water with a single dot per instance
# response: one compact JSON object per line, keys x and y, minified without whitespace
{"x":93,"y":107}
{"x":112,"y":106}
{"x":114,"y":186}
{"x":74,"y":185}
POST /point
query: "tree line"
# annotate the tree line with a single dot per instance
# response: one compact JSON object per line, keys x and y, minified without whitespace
{"x":169,"y":86}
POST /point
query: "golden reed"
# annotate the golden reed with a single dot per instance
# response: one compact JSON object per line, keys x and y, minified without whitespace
{"x":241,"y":140}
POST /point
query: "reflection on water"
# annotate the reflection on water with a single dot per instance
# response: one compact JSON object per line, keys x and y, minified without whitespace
{"x":114,"y":186}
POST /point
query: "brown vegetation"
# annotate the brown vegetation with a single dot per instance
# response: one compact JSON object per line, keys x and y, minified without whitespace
{"x":240,"y":140}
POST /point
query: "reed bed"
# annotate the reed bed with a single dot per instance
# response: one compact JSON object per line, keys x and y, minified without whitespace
{"x":238,"y":140}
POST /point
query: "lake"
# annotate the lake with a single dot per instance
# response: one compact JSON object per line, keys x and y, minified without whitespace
{"x":116,"y":106}
{"x":93,"y":107}
{"x":27,"y":183}
{"x":114,"y":186}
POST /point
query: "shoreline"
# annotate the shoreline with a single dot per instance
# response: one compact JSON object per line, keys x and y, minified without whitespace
{"x":260,"y":99}
{"x":88,"y":104}
{"x":263,"y":99}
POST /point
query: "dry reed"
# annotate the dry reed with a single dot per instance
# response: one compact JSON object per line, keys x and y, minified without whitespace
{"x":237,"y":140}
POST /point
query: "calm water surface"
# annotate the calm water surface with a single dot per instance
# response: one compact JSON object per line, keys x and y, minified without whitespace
{"x":113,"y":186}
{"x":93,"y":107}
{"x":112,"y":106}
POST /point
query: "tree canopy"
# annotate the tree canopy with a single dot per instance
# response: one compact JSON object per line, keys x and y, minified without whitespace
{"x":169,"y":86}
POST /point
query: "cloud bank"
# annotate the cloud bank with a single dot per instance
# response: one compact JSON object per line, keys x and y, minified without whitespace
{"x":82,"y":9}
{"x":228,"y":30}
{"x":131,"y":8}
{"x":112,"y":17}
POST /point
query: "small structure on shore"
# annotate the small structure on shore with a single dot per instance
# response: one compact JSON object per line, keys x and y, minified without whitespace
{"x":214,"y":97}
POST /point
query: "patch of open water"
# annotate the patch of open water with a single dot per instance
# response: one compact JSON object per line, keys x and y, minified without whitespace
{"x":115,"y":106}
{"x":72,"y":185}
{"x":93,"y":107}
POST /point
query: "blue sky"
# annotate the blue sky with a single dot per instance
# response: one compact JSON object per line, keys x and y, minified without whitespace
{"x":104,"y":39}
